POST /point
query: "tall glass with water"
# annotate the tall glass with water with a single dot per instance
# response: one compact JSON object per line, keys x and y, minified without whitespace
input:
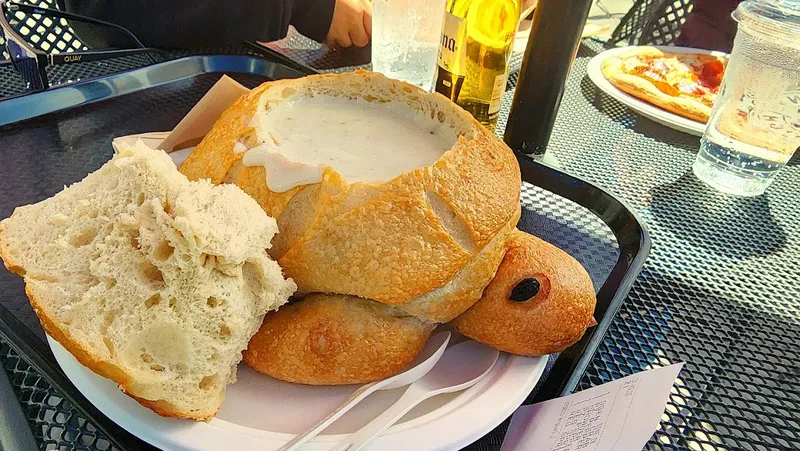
{"x":755,"y":124}
{"x":405,"y":39}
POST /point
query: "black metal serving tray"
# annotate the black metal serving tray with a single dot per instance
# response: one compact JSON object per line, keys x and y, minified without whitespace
{"x":54,"y":138}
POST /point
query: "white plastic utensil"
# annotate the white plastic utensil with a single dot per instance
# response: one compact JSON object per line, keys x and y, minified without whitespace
{"x":461,"y":367}
{"x":418,"y":368}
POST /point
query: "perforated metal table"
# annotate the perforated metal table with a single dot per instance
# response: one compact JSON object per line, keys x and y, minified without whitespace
{"x":720,"y":291}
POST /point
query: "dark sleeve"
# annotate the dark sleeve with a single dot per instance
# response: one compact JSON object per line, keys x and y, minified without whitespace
{"x":200,"y":23}
{"x":709,"y":25}
{"x":313,"y":18}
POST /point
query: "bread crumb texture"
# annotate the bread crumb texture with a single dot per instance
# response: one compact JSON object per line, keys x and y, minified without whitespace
{"x":149,"y":279}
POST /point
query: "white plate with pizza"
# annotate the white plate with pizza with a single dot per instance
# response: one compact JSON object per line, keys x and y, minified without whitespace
{"x":674,"y":86}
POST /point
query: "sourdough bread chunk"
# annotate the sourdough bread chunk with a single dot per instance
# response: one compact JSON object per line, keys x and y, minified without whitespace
{"x":149,"y":279}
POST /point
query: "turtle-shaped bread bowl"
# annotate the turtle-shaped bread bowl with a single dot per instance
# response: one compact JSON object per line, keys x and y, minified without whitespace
{"x":396,"y":212}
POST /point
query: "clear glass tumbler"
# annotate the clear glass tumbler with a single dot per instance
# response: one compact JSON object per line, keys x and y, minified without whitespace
{"x":755,"y":124}
{"x":405,"y":39}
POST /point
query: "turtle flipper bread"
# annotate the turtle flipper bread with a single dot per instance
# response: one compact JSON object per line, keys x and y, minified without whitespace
{"x":148,"y":279}
{"x":328,"y":339}
{"x":382,"y":193}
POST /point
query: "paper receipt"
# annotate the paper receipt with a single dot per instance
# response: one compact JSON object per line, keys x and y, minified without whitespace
{"x":620,"y":415}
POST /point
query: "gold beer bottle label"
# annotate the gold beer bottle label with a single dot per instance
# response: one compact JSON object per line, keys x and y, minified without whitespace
{"x":452,"y":57}
{"x":477,"y":40}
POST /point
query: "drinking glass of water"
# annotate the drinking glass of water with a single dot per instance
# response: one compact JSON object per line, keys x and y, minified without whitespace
{"x":405,"y":39}
{"x":755,"y":124}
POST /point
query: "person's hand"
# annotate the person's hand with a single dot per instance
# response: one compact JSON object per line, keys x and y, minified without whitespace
{"x":351,"y":24}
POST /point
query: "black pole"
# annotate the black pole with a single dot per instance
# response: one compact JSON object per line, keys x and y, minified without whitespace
{"x":555,"y":34}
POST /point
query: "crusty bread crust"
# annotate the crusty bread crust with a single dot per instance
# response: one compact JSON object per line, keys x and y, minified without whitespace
{"x":335,"y":340}
{"x":445,"y":303}
{"x":167,"y":409}
{"x":388,"y":240}
{"x":556,"y":317}
{"x":613,"y":69}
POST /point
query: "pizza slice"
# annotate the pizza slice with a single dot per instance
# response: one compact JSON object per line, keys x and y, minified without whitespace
{"x":686,"y":84}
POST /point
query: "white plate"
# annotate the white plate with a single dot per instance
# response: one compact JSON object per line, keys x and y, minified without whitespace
{"x":646,"y":109}
{"x":263,"y":413}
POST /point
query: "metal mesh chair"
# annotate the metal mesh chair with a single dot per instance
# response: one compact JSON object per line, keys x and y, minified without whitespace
{"x":4,"y":56}
{"x":39,"y":40}
{"x":11,"y":82}
{"x":47,"y":34}
{"x":652,"y":22}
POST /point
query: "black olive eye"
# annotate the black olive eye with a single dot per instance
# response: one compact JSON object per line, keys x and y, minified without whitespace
{"x":525,"y":289}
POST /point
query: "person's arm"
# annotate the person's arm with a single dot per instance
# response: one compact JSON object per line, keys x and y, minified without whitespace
{"x":205,"y":23}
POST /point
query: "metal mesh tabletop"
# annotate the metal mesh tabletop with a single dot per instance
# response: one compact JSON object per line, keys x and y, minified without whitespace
{"x":720,"y":290}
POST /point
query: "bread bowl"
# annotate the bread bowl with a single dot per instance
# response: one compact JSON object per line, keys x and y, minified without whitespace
{"x":425,"y":235}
